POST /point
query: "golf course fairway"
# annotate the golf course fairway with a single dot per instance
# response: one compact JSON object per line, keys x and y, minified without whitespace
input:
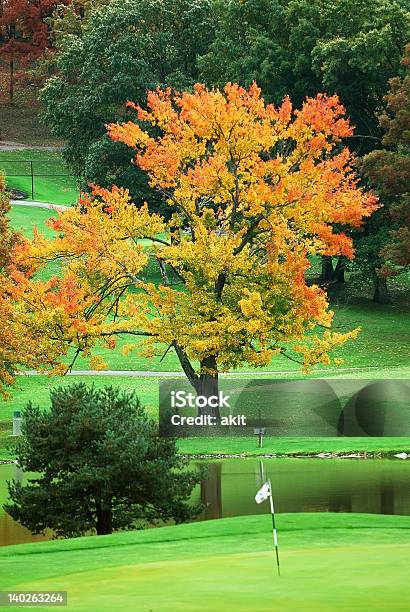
{"x":328,"y":562}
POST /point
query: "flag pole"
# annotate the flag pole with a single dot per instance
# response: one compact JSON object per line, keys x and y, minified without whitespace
{"x":275,"y":537}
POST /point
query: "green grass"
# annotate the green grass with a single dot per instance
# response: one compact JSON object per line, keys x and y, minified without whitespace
{"x":382,"y":343}
{"x":52,"y":188}
{"x":24,"y":219}
{"x":292,"y":446}
{"x":37,"y":389}
{"x":329,"y":562}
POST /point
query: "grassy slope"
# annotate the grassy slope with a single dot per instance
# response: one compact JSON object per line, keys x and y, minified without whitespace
{"x":329,"y":562}
{"x":54,"y":189}
{"x":22,"y":122}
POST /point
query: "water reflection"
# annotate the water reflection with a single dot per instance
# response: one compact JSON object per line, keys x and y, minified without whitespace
{"x":10,"y":531}
{"x":307,"y":485}
{"x":299,"y":485}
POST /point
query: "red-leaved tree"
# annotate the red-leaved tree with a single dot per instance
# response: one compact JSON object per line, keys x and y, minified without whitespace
{"x":24,"y":33}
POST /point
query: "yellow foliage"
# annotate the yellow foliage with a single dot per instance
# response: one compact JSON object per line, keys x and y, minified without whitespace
{"x":248,"y":213}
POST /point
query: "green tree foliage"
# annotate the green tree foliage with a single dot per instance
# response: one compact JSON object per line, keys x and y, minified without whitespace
{"x":384,"y":249}
{"x":125,"y":49}
{"x":101,"y":464}
{"x":301,"y":47}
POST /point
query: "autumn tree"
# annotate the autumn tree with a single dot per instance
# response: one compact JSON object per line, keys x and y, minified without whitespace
{"x":8,"y":342}
{"x":13,"y":353}
{"x":255,"y":189}
{"x":24,"y":33}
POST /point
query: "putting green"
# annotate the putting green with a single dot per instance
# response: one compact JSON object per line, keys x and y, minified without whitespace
{"x":329,"y":562}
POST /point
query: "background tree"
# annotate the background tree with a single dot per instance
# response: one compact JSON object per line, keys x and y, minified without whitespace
{"x":255,"y":190}
{"x":384,"y":248}
{"x":297,"y":47}
{"x":101,"y":465}
{"x":146,"y":44}
{"x":24,"y":33}
{"x":72,"y":18}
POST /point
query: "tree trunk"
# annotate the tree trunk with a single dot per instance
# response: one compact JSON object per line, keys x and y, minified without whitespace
{"x":381,"y":291}
{"x":327,"y":274}
{"x":339,"y":274}
{"x":208,"y":385}
{"x":104,"y":518}
{"x":11,"y":83}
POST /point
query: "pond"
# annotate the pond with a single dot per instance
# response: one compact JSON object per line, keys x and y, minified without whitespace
{"x":300,"y":485}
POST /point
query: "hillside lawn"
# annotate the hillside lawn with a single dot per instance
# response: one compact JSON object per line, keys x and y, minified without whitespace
{"x":329,"y":561}
{"x":21,"y":122}
{"x":24,"y":219}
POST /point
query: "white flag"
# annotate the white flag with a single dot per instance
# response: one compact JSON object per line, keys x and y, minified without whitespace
{"x":263,"y":493}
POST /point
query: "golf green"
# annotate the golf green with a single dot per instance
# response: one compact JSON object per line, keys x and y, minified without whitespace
{"x":329,"y":562}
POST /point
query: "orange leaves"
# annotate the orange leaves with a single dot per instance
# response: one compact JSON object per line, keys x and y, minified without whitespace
{"x":259,"y":188}
{"x":244,"y":156}
{"x":324,"y":115}
{"x":128,"y":133}
{"x":64,"y":293}
{"x":255,"y":190}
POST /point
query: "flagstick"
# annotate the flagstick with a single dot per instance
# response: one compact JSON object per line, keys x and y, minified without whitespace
{"x":275,"y":538}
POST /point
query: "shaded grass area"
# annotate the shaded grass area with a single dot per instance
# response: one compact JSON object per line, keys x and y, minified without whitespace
{"x":329,"y":562}
{"x":22,"y":122}
{"x":37,"y":388}
{"x":57,"y":187}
